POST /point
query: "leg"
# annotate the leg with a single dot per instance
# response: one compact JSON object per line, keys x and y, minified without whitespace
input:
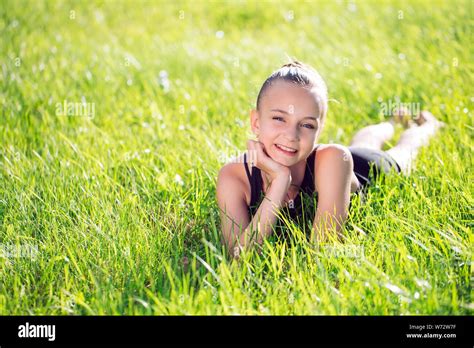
{"x":373,"y":136}
{"x":412,"y":139}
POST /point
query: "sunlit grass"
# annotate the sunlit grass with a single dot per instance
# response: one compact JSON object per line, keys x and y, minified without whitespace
{"x":121,"y":204}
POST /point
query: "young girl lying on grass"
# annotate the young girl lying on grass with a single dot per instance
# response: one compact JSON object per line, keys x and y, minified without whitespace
{"x":286,"y":161}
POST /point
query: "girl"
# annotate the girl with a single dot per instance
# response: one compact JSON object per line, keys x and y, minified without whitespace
{"x":283,"y":164}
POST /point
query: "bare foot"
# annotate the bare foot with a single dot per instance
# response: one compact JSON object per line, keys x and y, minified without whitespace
{"x":426,"y":117}
{"x":403,"y":117}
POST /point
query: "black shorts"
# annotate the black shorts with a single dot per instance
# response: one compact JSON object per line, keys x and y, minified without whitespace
{"x":365,"y":159}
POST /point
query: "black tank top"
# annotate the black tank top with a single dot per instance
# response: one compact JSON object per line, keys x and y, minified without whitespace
{"x":304,"y":202}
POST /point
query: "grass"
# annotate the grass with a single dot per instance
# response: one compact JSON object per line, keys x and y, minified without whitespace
{"x":119,"y":209}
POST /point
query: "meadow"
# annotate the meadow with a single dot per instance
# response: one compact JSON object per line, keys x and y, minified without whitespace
{"x":117,"y":116}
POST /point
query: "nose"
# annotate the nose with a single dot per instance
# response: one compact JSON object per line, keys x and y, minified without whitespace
{"x":292,"y":134}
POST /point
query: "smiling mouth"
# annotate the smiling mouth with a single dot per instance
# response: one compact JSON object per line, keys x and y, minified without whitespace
{"x":286,"y":150}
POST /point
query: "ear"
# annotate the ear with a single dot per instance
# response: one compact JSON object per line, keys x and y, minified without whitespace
{"x":255,"y":121}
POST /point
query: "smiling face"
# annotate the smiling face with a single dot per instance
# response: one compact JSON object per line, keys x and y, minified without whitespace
{"x":288,"y":122}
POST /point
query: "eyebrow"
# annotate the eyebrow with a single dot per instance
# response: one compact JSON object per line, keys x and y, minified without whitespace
{"x":284,"y":112}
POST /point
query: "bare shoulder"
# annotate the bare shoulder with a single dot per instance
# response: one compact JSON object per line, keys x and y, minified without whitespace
{"x":232,"y":179}
{"x":332,"y":158}
{"x":331,"y":153}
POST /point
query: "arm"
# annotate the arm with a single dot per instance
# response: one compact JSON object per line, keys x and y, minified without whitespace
{"x":234,"y":210}
{"x":333,"y":181}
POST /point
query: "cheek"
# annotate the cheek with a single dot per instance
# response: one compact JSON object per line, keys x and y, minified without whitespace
{"x":268,"y":132}
{"x":275,"y":129}
{"x":309,"y":139}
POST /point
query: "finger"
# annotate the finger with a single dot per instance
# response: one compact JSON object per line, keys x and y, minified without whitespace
{"x":261,"y":154}
{"x":249,"y":148}
{"x":249,"y":143}
{"x":261,"y":149}
{"x":251,"y":154}
{"x":255,"y":153}
{"x":264,"y":149}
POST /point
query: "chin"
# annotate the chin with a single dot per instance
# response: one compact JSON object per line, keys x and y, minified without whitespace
{"x":283,"y":163}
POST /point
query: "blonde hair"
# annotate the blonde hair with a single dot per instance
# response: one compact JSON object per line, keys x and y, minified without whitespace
{"x":303,"y":75}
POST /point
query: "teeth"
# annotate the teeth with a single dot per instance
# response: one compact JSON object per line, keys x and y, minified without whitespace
{"x":285,"y":148}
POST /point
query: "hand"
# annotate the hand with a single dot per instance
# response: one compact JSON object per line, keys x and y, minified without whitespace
{"x":260,"y":158}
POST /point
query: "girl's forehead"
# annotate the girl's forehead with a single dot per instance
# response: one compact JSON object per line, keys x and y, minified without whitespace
{"x":280,"y":89}
{"x":285,"y":94}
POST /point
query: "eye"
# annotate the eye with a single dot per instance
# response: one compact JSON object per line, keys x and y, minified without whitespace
{"x":278,"y":118}
{"x":309,"y":126}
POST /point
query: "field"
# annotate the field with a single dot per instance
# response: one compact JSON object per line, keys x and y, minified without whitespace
{"x":116,"y":117}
